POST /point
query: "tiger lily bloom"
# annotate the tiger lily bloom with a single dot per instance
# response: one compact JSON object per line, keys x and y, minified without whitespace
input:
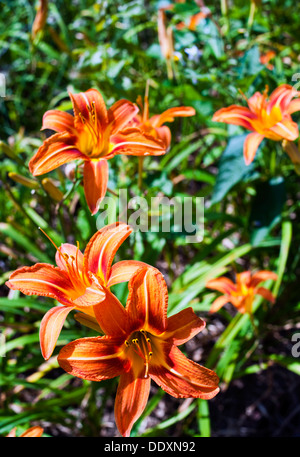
{"x":140,"y":344}
{"x":154,"y":125}
{"x":94,"y":135}
{"x":266,"y":118}
{"x":32,"y":432}
{"x":241,"y":294}
{"x":79,"y":281}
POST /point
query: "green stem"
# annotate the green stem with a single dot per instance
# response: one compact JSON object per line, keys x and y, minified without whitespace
{"x":251,"y":15}
{"x":224,"y":11}
{"x":140,"y":179}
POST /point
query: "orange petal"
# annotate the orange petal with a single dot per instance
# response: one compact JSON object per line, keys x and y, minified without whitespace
{"x":45,"y":280}
{"x":257,"y":102}
{"x":195,"y":19}
{"x":132,"y":141}
{"x":243,"y":278}
{"x":12,"y":433}
{"x":131,"y":399}
{"x":102,"y":248}
{"x":266,"y":294}
{"x":236,"y":115}
{"x":293,"y":106}
{"x":286,"y":129}
{"x":59,"y":121}
{"x":120,"y":114}
{"x":50,"y":328}
{"x":85,"y":102}
{"x":95,"y":179}
{"x":219,"y":302}
{"x":282,"y":97}
{"x":170,"y":114}
{"x":148,"y":300}
{"x":123,"y":271}
{"x":183,"y":326}
{"x":33,"y":432}
{"x":164,"y":134}
{"x":251,"y":144}
{"x":262,"y":275}
{"x":54,"y":152}
{"x":244,"y":305}
{"x":222,"y":284}
{"x":183,"y":378}
{"x":111,"y":316}
{"x":88,"y":293}
{"x":90,"y":296}
{"x":94,"y":359}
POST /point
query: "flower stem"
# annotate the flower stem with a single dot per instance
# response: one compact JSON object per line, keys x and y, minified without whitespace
{"x":251,"y":14}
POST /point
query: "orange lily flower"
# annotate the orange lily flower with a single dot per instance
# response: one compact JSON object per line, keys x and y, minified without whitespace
{"x":29,"y":433}
{"x":266,"y":118}
{"x":154,"y":125}
{"x":94,"y":134}
{"x":241,"y":294}
{"x":140,"y":344}
{"x":80,"y":281}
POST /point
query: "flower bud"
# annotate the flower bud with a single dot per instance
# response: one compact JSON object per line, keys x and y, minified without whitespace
{"x":32,"y":184}
{"x":51,"y":189}
{"x":40,"y":18}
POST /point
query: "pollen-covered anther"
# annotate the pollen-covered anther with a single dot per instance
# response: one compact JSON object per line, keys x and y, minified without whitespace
{"x":93,"y":111}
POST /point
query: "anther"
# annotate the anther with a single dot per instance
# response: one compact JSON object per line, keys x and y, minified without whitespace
{"x":93,"y":111}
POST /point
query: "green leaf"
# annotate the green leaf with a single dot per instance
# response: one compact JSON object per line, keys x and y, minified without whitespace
{"x":250,"y":63}
{"x":266,"y":208}
{"x":232,"y":168}
{"x":203,"y":418}
{"x":23,"y":242}
{"x":286,"y":240}
{"x":288,"y":362}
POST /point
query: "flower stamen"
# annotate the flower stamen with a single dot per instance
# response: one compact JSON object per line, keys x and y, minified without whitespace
{"x":141,"y":345}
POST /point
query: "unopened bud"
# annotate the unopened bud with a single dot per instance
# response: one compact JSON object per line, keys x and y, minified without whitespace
{"x":51,"y":189}
{"x":7,"y":150}
{"x":293,"y":152}
{"x":31,"y":183}
{"x":40,"y":18}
